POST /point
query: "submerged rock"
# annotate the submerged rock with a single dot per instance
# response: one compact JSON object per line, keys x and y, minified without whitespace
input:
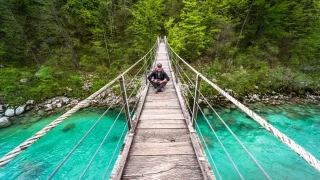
{"x":68,"y":127}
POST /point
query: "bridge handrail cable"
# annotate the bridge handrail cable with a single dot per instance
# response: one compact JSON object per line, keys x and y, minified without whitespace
{"x":217,"y":137}
{"x":86,"y":102}
{"x":308,"y":157}
{"x":223,"y":122}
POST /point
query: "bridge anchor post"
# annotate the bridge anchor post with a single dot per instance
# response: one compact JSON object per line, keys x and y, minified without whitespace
{"x":195,"y":103}
{"x":125,"y":101}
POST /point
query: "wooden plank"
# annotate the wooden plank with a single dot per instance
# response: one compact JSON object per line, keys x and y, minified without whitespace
{"x":162,"y":167}
{"x":204,"y":164}
{"x":167,"y":96}
{"x":152,"y":91}
{"x":123,"y":154}
{"x":161,"y":104}
{"x":165,"y":110}
{"x":154,"y":98}
{"x":162,"y":124}
{"x":145,"y":149}
{"x":163,"y":100}
{"x":161,"y":115}
{"x":161,"y":135}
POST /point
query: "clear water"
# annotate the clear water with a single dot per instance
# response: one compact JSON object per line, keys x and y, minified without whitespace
{"x":299,"y":122}
{"x":40,"y":159}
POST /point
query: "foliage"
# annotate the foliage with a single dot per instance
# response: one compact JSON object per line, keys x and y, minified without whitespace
{"x":240,"y":44}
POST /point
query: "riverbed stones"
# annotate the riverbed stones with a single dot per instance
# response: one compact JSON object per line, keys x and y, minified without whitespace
{"x":20,"y":110}
{"x":2,"y":108}
{"x":4,"y":122}
{"x":9,"y":112}
{"x":48,"y":107}
{"x":30,"y":102}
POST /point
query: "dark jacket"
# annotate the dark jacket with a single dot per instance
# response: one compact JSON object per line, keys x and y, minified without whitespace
{"x":154,"y":74}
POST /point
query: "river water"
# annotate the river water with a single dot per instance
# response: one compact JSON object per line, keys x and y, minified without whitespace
{"x":299,"y":122}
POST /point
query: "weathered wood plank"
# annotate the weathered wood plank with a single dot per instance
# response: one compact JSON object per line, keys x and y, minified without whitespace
{"x":163,"y":167}
{"x":162,"y":100}
{"x":161,"y":135}
{"x":144,"y":149}
{"x":164,"y":110}
{"x":162,"y":124}
{"x":162,"y":103}
{"x":155,"y":98}
{"x":161,"y":115}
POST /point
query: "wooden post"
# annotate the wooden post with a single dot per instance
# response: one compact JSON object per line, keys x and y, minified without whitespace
{"x":196,"y":99}
{"x":125,"y":101}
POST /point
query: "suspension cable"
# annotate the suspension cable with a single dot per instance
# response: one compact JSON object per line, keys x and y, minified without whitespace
{"x":235,"y":136}
{"x":115,"y":150}
{"x":225,"y":150}
{"x":234,"y":165}
{"x":82,"y":139}
{"x":307,"y":156}
{"x":240,"y":143}
{"x":106,"y":136}
{"x":214,"y":164}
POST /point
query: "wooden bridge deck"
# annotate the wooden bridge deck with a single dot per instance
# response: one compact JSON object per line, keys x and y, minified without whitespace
{"x":162,"y":146}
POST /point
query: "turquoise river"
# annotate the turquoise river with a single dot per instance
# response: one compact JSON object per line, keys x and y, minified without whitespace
{"x":299,"y":122}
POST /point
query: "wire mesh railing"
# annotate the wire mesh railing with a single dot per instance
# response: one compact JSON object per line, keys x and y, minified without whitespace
{"x":189,"y":81}
{"x":132,"y":85}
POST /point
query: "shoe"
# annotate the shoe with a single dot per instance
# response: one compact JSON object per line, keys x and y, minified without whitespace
{"x":157,"y":90}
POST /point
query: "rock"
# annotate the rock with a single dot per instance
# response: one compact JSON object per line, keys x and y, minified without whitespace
{"x":206,"y":111}
{"x":1,"y":108}
{"x":87,"y":85}
{"x":74,"y":102}
{"x":65,"y":101}
{"x":68,"y":89}
{"x":68,"y":127}
{"x":23,"y":81}
{"x":9,"y":112}
{"x":255,"y":97}
{"x":20,"y":109}
{"x":59,"y":105}
{"x":48,"y":107}
{"x":4,"y":122}
{"x":30,"y":102}
{"x":256,"y":87}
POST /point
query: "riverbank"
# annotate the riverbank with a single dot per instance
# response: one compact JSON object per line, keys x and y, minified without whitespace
{"x":8,"y":114}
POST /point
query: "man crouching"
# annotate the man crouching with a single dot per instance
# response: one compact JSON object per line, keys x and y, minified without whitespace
{"x":158,"y":78}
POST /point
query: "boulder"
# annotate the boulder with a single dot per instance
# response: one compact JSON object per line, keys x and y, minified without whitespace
{"x":1,"y":108}
{"x":59,"y":105}
{"x":4,"y":122}
{"x":20,"y":109}
{"x":9,"y":112}
{"x":48,"y":107}
{"x":65,"y":100}
{"x":30,"y":102}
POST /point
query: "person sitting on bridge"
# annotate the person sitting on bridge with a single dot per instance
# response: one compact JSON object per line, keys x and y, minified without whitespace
{"x":158,"y":78}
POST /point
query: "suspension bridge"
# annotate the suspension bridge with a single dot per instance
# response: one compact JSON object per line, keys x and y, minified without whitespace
{"x":163,"y":140}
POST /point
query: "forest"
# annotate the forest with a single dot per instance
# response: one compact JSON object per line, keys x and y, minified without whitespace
{"x":249,"y":46}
